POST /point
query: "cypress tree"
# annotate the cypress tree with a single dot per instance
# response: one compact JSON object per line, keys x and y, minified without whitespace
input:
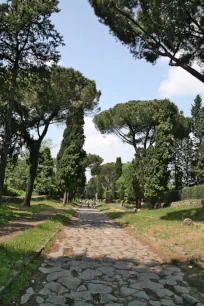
{"x":71,"y":157}
{"x":117,"y":174}
{"x":197,"y":112}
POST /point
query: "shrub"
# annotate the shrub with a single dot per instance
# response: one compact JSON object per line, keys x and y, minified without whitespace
{"x":187,"y":193}
{"x":171,"y":196}
{"x":196,"y":192}
{"x":12,"y":192}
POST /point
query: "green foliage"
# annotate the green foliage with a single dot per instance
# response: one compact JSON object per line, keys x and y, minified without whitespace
{"x":71,"y":159}
{"x":17,"y":173}
{"x":91,"y":188}
{"x":134,"y":122}
{"x":107,"y":175}
{"x":117,"y":174}
{"x":196,"y":192}
{"x":153,"y":29}
{"x":44,"y":184}
{"x":157,"y":160}
{"x":197,"y":112}
{"x":99,"y":188}
{"x":188,"y":193}
{"x":12,"y":192}
{"x":28,"y":41}
{"x":93,"y":162}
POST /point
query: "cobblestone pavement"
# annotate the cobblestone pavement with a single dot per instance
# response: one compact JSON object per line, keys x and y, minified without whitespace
{"x":98,"y":263}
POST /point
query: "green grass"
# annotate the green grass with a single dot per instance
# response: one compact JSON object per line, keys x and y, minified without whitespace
{"x":165,"y":224}
{"x":25,"y":244}
{"x":10,"y":211}
{"x":157,"y":226}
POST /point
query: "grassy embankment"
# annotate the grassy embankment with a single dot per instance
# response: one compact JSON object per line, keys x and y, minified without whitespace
{"x":27,"y":243}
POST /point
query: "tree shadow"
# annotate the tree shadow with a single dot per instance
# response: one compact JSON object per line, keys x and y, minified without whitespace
{"x":196,"y":214}
{"x":127,"y":272}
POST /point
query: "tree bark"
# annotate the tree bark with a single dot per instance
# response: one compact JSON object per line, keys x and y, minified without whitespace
{"x":34,"y":155}
{"x":65,"y":197}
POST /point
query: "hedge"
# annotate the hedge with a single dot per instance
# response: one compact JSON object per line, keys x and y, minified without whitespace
{"x":187,"y":193}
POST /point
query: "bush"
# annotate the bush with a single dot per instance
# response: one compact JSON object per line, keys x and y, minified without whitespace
{"x":12,"y":192}
{"x":187,"y":193}
{"x":196,"y":192}
{"x":171,"y":196}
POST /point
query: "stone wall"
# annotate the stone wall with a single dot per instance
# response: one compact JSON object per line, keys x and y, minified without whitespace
{"x":196,"y":203}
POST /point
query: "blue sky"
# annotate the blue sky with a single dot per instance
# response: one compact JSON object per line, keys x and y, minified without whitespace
{"x":92,"y":50}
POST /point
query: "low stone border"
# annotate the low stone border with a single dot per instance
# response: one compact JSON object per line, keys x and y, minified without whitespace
{"x":22,"y":264}
{"x":196,"y":203}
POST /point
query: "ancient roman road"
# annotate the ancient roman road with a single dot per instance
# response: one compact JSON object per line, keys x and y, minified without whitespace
{"x":96,"y":262}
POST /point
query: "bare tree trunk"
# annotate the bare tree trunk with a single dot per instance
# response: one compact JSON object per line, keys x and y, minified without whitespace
{"x":137,"y":202}
{"x":65,"y":197}
{"x":34,"y":155}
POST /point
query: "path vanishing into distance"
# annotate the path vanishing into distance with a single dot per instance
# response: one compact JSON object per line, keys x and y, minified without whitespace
{"x":94,"y":261}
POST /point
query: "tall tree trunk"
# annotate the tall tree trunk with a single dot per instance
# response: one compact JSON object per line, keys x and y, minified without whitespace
{"x":7,"y":132}
{"x":65,"y":197}
{"x":34,"y":155}
{"x":137,"y":203}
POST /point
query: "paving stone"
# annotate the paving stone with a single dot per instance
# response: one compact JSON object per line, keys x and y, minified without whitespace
{"x":105,"y":298}
{"x":56,"y":300}
{"x":30,"y":291}
{"x":56,"y":275}
{"x":166,"y":302}
{"x":169,"y":282}
{"x":56,"y":287}
{"x":142,"y":295}
{"x":70,"y":282}
{"x":113,"y":304}
{"x":181,"y":289}
{"x":81,"y":288}
{"x":190,"y":299}
{"x":25,"y":298}
{"x":45,"y":291}
{"x":154,"y":303}
{"x":125,"y":291}
{"x":145,"y":276}
{"x":110,"y":271}
{"x":137,"y":303}
{"x":125,"y":273}
{"x":39,"y":300}
{"x":99,"y":288}
{"x":137,"y":286}
{"x":49,"y":270}
{"x":163,"y":292}
{"x":78,"y":303}
{"x":177,"y":299}
{"x":148,"y":284}
{"x":84,"y":295}
{"x":89,"y":274}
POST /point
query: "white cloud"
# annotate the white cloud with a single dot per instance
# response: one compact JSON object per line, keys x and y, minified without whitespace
{"x":109,"y":147}
{"x":180,"y":83}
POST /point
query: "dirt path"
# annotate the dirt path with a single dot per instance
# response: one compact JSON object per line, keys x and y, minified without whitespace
{"x":95,"y":262}
{"x":20,"y":224}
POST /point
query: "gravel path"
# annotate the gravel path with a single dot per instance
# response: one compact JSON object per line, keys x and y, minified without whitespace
{"x":95,"y":262}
